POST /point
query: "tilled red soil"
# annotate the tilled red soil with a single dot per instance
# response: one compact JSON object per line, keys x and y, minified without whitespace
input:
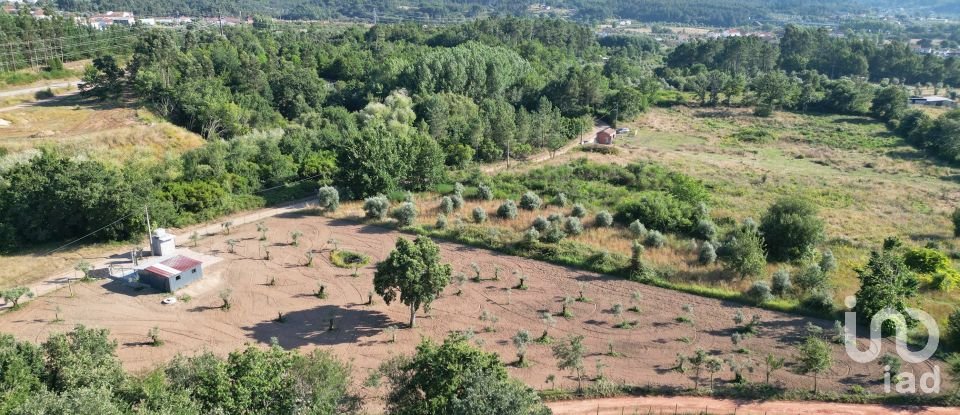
{"x":647,"y":352}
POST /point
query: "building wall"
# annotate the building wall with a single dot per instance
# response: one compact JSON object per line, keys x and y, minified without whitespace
{"x":185,"y":278}
{"x":157,"y":282}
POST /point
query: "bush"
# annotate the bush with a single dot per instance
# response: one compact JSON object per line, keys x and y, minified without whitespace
{"x":791,"y":229}
{"x":828,"y":263}
{"x":457,"y":200}
{"x":553,"y":234}
{"x":708,"y":254}
{"x":742,"y":252}
{"x":554,"y":218}
{"x":819,"y":300}
{"x":578,"y":211}
{"x":531,"y":236}
{"x":406,"y":214}
{"x":655,"y":239}
{"x":811,"y":278}
{"x":573,"y":226}
{"x":763,"y":110}
{"x":44,"y":94}
{"x":560,"y":200}
{"x":759,"y":292}
{"x":530,"y":201}
{"x":347,"y":259}
{"x":329,"y":199}
{"x":541,"y":223}
{"x":376,"y":207}
{"x":604,"y":219}
{"x":458,"y":189}
{"x":446,"y":205}
{"x":479,"y":215}
{"x":441,"y":221}
{"x":705,"y":230}
{"x":508,"y":210}
{"x":953,"y":329}
{"x":484,"y":192}
{"x":780,"y":283}
{"x":657,"y":210}
{"x":956,"y":222}
{"x":637,"y":229}
{"x":753,"y":135}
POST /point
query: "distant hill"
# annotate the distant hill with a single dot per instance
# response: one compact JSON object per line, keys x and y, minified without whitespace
{"x":712,"y":12}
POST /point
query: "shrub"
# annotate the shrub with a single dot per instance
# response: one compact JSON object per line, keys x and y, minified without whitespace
{"x":759,"y":292}
{"x":637,"y":229}
{"x":573,"y":226}
{"x":811,"y":278}
{"x":742,"y":252}
{"x":530,"y":201}
{"x":604,"y":219}
{"x":479,"y":215}
{"x":578,"y":211}
{"x":376,"y":207}
{"x":484,"y":192}
{"x":953,"y":329}
{"x":508,"y":210}
{"x":560,"y":200}
{"x":828,"y":263}
{"x":441,"y":221}
{"x":555,"y":218}
{"x":553,"y":234}
{"x":763,"y":110}
{"x":753,"y":135}
{"x":329,"y":198}
{"x":457,"y":200}
{"x":458,"y":189}
{"x":655,"y":239}
{"x":705,"y":230}
{"x":819,"y":300}
{"x":406,"y":214}
{"x":540,"y":223}
{"x":446,"y":205}
{"x":658,"y":210}
{"x":708,"y":255}
{"x":780,"y":283}
{"x":926,"y":260}
{"x":791,"y":229}
{"x":531,"y":236}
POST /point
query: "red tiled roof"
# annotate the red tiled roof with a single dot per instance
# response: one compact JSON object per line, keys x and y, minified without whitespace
{"x":172,"y":266}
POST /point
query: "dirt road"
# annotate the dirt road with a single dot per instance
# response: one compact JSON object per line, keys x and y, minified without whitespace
{"x":501,"y":166}
{"x":33,"y":89}
{"x":697,"y":405}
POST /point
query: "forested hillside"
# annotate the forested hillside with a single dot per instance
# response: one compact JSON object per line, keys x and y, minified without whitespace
{"x":371,"y":110}
{"x":721,"y":13}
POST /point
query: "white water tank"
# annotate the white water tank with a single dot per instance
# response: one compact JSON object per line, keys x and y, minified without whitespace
{"x":162,"y":243}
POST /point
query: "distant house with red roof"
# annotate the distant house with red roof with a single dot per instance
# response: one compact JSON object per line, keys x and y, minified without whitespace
{"x":606,"y":136}
{"x":172,"y":273}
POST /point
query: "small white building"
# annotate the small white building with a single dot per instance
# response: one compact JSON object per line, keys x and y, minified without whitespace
{"x":162,"y":243}
{"x":933,"y":101}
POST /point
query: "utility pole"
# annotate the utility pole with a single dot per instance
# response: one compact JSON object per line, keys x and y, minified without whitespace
{"x":376,"y":19}
{"x":146,"y":209}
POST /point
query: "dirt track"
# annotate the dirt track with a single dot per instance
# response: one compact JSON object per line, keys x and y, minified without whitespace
{"x":648,"y":351}
{"x":687,"y":405}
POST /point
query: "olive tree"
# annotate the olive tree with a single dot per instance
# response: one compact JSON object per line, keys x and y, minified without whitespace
{"x":328,"y":199}
{"x":814,"y":359}
{"x":376,"y":207}
{"x":507,"y":210}
{"x":413,"y":274}
{"x":13,"y":295}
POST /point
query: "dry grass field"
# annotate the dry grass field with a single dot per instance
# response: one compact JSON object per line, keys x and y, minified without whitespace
{"x":262,"y":288}
{"x":113,"y":132}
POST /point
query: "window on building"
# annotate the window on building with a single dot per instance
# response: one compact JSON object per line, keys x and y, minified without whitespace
{"x":178,"y":278}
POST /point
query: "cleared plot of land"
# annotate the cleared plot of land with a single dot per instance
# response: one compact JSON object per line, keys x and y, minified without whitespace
{"x":648,"y":350}
{"x":76,"y":124}
{"x":697,"y":405}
